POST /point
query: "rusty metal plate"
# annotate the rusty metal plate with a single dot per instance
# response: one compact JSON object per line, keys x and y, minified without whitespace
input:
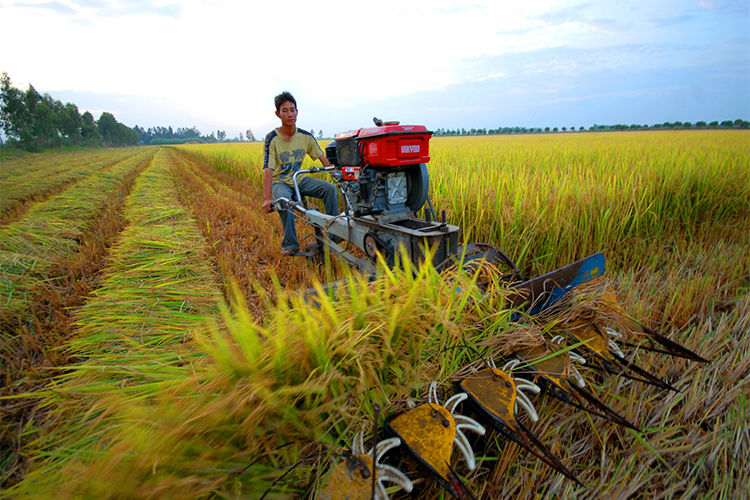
{"x":350,"y":480}
{"x":495,"y":391}
{"x":428,"y":431}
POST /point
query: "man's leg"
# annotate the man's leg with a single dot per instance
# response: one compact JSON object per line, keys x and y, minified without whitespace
{"x":289,"y":242}
{"x":324,"y":190}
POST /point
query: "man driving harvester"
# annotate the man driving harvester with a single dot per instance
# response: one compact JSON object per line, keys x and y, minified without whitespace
{"x":283,"y":153}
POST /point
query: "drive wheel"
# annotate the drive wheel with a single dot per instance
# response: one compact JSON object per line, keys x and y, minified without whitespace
{"x":477,"y":254}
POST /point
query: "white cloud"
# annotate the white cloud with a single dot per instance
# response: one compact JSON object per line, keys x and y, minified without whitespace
{"x":221,"y":62}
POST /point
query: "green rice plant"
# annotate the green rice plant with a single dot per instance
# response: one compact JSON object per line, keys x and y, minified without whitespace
{"x":307,"y":375}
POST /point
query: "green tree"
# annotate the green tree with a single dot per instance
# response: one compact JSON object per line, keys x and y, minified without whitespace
{"x":15,"y":115}
{"x":107,"y":125}
{"x":89,"y":131}
{"x":46,"y":120}
{"x":71,"y":123}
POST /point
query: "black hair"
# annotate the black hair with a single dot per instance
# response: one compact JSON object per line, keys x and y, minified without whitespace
{"x":282,"y":98}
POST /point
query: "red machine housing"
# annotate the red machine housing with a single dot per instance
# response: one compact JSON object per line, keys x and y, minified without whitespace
{"x":388,"y":145}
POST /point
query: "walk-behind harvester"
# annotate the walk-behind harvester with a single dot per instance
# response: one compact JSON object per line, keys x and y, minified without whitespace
{"x":382,"y":175}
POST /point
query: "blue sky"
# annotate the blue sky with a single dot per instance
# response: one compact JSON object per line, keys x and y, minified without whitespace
{"x":441,"y":63}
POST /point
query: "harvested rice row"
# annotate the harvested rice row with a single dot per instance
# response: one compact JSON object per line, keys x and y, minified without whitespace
{"x":53,"y":229}
{"x":17,"y":194}
{"x":31,"y":336}
{"x":134,"y":340}
{"x":244,"y":242}
{"x":33,"y":163}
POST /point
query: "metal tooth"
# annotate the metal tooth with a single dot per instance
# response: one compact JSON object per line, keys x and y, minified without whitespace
{"x":601,"y":343}
{"x":560,"y":383}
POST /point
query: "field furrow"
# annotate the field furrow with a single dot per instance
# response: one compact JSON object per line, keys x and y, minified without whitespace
{"x":52,"y":289}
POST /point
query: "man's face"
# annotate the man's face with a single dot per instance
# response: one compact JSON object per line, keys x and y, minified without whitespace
{"x":288,"y":113}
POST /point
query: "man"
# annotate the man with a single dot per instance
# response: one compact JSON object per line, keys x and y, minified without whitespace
{"x":284,"y":151}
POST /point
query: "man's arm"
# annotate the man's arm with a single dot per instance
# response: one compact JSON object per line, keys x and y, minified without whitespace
{"x":324,"y":160}
{"x":267,"y":196}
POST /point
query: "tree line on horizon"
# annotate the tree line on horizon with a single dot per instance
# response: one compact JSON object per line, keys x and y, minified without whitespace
{"x":34,"y":121}
{"x":166,"y":135}
{"x":739,"y":123}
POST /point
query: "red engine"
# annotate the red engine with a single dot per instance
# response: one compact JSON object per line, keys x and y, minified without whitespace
{"x":382,"y":169}
{"x":383,"y":146}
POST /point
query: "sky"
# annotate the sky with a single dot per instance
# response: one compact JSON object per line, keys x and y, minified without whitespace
{"x":217,"y":65}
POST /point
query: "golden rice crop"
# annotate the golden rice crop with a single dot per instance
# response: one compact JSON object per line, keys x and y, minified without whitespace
{"x":270,"y":401}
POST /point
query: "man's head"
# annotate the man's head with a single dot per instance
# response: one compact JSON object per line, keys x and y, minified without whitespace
{"x":286,"y":108}
{"x":282,"y":98}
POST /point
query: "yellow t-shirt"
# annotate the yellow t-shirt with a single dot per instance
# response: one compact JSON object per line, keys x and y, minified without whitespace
{"x":286,"y":157}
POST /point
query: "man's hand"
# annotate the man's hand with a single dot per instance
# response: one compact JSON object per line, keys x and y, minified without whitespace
{"x":267,"y":194}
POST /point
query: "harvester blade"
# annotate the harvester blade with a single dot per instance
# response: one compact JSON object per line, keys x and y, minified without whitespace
{"x":536,"y":295}
{"x":429,"y":431}
{"x":495,"y":394}
{"x":644,"y":376}
{"x":564,"y":382}
{"x":607,"y":354}
{"x":640,"y":330}
{"x":670,"y":346}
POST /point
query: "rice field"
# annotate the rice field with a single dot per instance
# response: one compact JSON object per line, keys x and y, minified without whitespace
{"x":153,"y":344}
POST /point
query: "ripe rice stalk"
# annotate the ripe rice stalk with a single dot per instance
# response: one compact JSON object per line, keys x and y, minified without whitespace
{"x":577,"y":194}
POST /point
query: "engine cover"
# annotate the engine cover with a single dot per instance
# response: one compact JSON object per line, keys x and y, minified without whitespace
{"x":382,"y":169}
{"x":385,"y":146}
